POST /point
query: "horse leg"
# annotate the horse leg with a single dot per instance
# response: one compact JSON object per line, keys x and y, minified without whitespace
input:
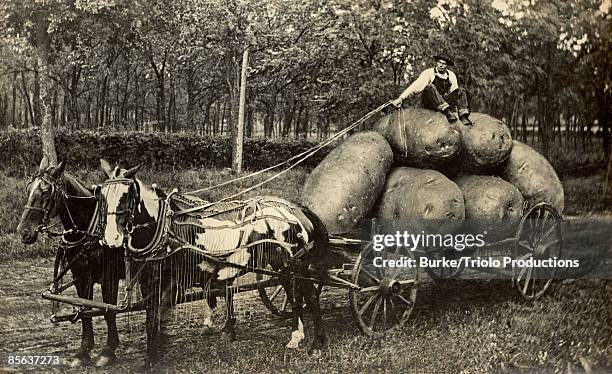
{"x":169,"y":294}
{"x":84,"y":287}
{"x":297,"y":332}
{"x":110,"y":288}
{"x":208,"y":313}
{"x":229,"y":331}
{"x":211,"y":301}
{"x":312,"y":300}
{"x":149,"y":286}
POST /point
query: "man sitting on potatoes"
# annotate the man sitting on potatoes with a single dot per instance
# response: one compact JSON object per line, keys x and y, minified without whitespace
{"x":440,"y":91}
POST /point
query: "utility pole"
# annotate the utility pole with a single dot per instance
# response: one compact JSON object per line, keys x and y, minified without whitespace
{"x":239,"y":139}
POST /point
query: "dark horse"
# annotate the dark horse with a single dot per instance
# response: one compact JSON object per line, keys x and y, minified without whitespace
{"x":55,"y":193}
{"x":228,"y":239}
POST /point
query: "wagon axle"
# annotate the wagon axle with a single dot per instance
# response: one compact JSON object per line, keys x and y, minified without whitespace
{"x":390,"y":287}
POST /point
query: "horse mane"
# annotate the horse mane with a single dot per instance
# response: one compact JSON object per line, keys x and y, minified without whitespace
{"x":78,"y":188}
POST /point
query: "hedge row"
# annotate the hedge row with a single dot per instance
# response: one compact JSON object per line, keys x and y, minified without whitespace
{"x":22,"y":149}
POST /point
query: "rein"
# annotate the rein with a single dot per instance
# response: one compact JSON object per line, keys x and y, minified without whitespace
{"x":51,"y":207}
{"x":162,"y":221}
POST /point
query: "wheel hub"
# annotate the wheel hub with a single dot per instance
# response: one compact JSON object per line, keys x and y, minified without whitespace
{"x":390,"y":287}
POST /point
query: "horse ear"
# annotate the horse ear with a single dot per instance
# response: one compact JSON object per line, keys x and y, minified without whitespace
{"x":59,"y":169}
{"x":131,"y":172}
{"x":106,"y":168}
{"x":44,"y":164}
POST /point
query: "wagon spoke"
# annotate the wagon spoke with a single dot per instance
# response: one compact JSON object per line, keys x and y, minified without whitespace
{"x":284,"y":304}
{"x":383,"y":269}
{"x":365,"y":290}
{"x":370,"y":275}
{"x":277,"y":290}
{"x":396,"y":256}
{"x":393,"y":310}
{"x":404,"y":300}
{"x":533,"y":280}
{"x":549,"y":244}
{"x":520,"y":276}
{"x":375,"y":312}
{"x":527,"y":279}
{"x":525,"y":245}
{"x":545,"y":221}
{"x":384,"y":314}
{"x":367,"y":304}
{"x":549,"y":231}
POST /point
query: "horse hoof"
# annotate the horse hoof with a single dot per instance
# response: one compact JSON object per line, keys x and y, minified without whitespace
{"x":208,"y":323}
{"x":105,"y":361}
{"x":317,"y":345}
{"x":79,"y":362}
{"x":314,"y":350}
{"x":228,"y":337}
{"x":293,"y":345}
{"x":149,"y":367}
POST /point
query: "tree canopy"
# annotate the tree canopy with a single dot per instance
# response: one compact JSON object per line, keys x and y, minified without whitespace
{"x":314,"y":65}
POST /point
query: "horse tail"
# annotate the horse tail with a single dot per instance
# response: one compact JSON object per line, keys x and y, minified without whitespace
{"x":320,"y":235}
{"x":324,"y":256}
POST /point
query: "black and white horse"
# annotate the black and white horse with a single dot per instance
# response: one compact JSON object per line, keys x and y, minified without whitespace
{"x":228,"y":240}
{"x":52,"y":192}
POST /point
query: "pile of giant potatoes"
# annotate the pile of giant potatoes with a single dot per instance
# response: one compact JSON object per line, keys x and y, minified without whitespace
{"x":416,"y":166}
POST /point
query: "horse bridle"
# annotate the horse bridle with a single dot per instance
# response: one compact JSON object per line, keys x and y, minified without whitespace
{"x":50,"y":207}
{"x":132,"y":201}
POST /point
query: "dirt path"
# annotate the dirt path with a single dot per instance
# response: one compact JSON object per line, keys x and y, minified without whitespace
{"x":455,"y":325}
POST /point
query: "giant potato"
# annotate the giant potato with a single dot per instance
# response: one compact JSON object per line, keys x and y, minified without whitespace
{"x":344,"y":187}
{"x":486,"y":144}
{"x":533,"y":175}
{"x":423,"y":199}
{"x":490,"y":198}
{"x":420,"y":137}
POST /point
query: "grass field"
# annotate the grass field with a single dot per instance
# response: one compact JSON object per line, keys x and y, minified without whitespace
{"x":466,"y":326}
{"x":583,"y":194}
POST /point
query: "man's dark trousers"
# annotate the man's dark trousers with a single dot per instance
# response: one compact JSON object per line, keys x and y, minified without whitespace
{"x":432,"y":99}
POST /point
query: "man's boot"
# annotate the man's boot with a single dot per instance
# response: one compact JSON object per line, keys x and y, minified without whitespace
{"x":450,"y":116}
{"x":465,"y":120}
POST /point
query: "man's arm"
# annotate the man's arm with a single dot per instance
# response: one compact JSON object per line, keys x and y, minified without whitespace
{"x":453,"y":81}
{"x":417,"y":86}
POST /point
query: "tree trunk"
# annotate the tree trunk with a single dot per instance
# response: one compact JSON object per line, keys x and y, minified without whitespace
{"x":36,"y":98}
{"x":46,"y":129}
{"x":160,"y":73}
{"x":14,"y":101}
{"x":26,"y":99}
{"x":248,"y":130}
{"x":190,"y":86}
{"x":269,"y":119}
{"x":239,"y":136}
{"x":287,"y":120}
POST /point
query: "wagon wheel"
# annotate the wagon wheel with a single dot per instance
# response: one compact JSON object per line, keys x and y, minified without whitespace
{"x":443,"y":273}
{"x":275,"y":298}
{"x":539,"y":238}
{"x":387,"y":295}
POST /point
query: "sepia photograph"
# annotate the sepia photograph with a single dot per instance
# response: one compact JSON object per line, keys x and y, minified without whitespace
{"x":306,"y":186}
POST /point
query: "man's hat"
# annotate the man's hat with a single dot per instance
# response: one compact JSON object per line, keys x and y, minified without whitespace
{"x":449,"y":62}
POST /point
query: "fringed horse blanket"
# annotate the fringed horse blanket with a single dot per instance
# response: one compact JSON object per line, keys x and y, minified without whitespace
{"x":230,"y":237}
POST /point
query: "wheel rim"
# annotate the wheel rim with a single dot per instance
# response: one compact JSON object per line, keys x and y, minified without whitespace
{"x":443,"y":272}
{"x":274,"y":298}
{"x":539,"y":238}
{"x":388,"y":295}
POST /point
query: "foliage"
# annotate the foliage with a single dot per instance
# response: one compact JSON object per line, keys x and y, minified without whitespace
{"x":82,"y":149}
{"x":314,"y":66}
